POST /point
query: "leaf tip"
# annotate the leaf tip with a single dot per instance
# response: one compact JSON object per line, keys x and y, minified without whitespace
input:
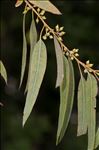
{"x":6,"y":81}
{"x":56,"y":143}
{"x":25,"y":117}
{"x":60,"y":13}
{"x":23,"y":122}
{"x":56,"y":86}
{"x":58,"y":140}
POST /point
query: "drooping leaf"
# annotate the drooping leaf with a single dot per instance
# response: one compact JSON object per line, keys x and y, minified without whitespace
{"x":66,"y":99}
{"x":82,"y":121}
{"x":97,"y":138}
{"x":91,"y":92}
{"x":18,"y":3}
{"x":59,"y":59}
{"x":37,"y":70}
{"x":33,"y":40}
{"x":3,"y":71}
{"x":45,"y":5}
{"x":24,"y":53}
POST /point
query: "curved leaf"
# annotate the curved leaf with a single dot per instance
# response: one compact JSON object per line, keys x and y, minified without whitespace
{"x":37,"y":70}
{"x":91,"y":92}
{"x":82,"y":121}
{"x":66,"y":99}
{"x":59,"y":59}
{"x":33,"y":40}
{"x":24,"y":53}
{"x":45,"y":5}
{"x":3,"y":71}
{"x":97,"y":138}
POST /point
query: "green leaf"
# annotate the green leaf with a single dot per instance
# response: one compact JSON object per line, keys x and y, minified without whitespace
{"x":3,"y":71}
{"x":82,"y":121}
{"x":91,"y":92}
{"x":59,"y":58}
{"x":33,"y":40}
{"x":97,"y":138}
{"x":46,"y":5}
{"x":37,"y":70}
{"x":24,"y":53}
{"x":66,"y":99}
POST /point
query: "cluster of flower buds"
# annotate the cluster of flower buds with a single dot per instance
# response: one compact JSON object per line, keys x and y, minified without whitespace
{"x":88,"y":66}
{"x":73,"y":53}
{"x":59,"y":31}
{"x":47,"y":34}
{"x":41,"y":13}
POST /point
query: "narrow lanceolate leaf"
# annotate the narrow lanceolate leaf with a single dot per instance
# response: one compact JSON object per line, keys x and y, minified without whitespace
{"x":37,"y":70}
{"x":59,"y":59}
{"x":66,"y":99}
{"x":3,"y":71}
{"x":97,"y":138}
{"x":45,"y":5}
{"x":33,"y":40}
{"x":24,"y":53}
{"x":82,"y":121}
{"x":91,"y":92}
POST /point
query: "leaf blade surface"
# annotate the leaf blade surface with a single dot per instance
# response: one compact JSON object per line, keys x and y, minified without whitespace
{"x":82,"y":121}
{"x":66,"y":99}
{"x":46,"y":5}
{"x":37,"y":71}
{"x":59,"y":59}
{"x":91,"y":92}
{"x":24,"y":52}
{"x":33,"y":40}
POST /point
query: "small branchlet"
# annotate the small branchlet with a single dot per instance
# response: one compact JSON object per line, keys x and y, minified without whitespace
{"x":58,"y":33}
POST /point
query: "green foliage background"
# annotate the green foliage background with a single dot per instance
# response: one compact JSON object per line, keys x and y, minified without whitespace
{"x":80,"y":21}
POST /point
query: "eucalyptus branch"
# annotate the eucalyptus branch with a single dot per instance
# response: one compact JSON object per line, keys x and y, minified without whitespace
{"x":87,"y":88}
{"x":87,"y":67}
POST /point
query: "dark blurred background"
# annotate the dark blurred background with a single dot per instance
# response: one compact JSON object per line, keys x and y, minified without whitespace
{"x":81,"y":24}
